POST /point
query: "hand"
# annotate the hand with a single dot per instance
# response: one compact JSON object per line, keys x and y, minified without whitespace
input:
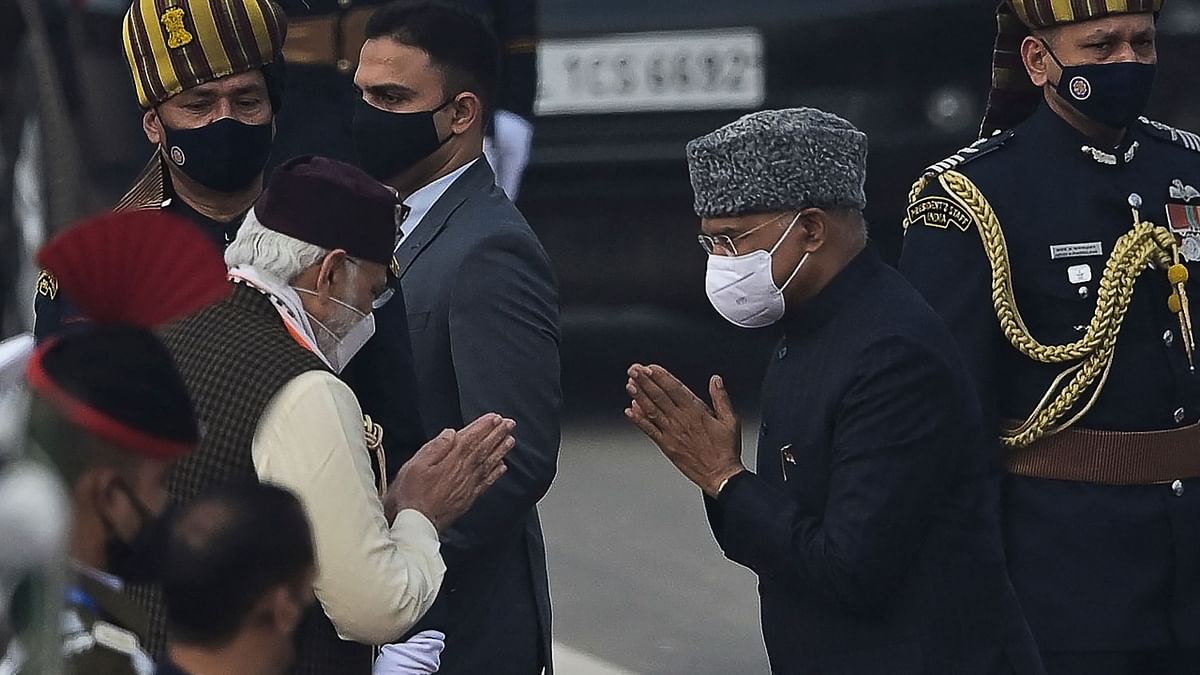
{"x":704,"y":443}
{"x":449,"y":473}
{"x":420,"y":655}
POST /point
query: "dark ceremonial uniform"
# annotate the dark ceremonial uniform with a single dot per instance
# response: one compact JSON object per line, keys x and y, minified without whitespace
{"x":151,"y":190}
{"x":1101,"y":518}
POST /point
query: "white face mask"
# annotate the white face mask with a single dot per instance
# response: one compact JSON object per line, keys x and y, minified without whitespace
{"x":339,"y":348}
{"x":742,"y":288}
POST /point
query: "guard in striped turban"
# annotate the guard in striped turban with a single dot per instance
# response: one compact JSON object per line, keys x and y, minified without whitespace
{"x":1015,"y":94}
{"x":209,"y":75}
{"x":1062,"y":249}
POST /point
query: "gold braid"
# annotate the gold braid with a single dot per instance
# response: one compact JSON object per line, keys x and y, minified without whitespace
{"x":1146,"y":244}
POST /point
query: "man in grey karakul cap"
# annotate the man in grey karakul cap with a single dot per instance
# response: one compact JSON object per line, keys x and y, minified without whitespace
{"x":870,"y":518}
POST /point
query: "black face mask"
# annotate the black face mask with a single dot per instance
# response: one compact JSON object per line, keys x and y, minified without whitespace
{"x":1113,"y":94}
{"x":387,"y":144}
{"x":141,"y":560}
{"x":225,"y":156}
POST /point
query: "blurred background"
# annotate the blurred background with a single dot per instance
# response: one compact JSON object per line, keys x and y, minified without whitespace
{"x":639,"y":585}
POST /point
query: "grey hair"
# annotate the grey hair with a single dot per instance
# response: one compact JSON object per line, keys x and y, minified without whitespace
{"x":277,"y":254}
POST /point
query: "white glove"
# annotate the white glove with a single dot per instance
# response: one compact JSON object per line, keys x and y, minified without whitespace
{"x":421,"y":655}
{"x":507,"y":150}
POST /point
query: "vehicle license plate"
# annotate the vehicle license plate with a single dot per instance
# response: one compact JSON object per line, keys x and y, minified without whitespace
{"x":640,"y":72}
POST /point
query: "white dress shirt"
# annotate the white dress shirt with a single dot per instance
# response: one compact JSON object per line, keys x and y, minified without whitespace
{"x":421,"y":201}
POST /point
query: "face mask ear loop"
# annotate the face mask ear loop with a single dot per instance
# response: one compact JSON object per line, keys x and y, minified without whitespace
{"x":352,"y":308}
{"x":784,"y":235}
{"x":780,"y":243}
{"x":323,"y":326}
{"x":795,"y":272}
{"x":348,"y":306}
{"x":1051,"y":53}
{"x":1062,"y":68}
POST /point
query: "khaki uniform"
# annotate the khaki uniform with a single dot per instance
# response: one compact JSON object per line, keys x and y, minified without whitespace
{"x":102,"y":633}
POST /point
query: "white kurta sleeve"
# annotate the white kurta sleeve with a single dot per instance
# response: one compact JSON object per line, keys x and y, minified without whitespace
{"x":373,"y":581}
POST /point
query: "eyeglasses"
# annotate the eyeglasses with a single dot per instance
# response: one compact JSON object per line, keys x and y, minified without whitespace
{"x":722,"y":244}
{"x":385,"y":295}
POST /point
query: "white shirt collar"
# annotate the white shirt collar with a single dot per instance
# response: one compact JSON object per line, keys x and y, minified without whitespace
{"x":421,"y":201}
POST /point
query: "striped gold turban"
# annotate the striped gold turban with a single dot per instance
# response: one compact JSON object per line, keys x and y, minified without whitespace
{"x":173,"y":45}
{"x":1013,"y":97}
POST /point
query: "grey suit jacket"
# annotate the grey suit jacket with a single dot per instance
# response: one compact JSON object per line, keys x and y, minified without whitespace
{"x":482,"y":307}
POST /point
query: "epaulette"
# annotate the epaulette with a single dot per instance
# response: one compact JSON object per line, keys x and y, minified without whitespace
{"x":1164,"y":132}
{"x":972,"y":152}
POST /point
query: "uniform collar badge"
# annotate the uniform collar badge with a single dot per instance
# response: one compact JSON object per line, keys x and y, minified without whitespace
{"x":1107,"y":158}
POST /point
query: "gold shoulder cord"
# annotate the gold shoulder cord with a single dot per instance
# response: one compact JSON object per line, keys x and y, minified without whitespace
{"x":1146,"y":245}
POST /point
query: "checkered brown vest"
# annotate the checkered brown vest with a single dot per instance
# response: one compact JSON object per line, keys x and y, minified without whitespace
{"x":235,"y":356}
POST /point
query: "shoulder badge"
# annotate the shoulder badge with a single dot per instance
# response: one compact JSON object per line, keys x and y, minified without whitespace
{"x":177,"y":34}
{"x":47,"y":285}
{"x":941,"y":212}
{"x":972,"y":152}
{"x":1164,"y":132}
{"x":937,"y":212}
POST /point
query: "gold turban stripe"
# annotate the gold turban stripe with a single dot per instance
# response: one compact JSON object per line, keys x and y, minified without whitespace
{"x":1048,"y":13}
{"x":1013,"y":97}
{"x":173,"y":45}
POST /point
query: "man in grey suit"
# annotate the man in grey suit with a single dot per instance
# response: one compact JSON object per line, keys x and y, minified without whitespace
{"x":482,"y":308}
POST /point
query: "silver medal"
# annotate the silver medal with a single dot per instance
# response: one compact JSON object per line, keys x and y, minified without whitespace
{"x":1190,"y":248}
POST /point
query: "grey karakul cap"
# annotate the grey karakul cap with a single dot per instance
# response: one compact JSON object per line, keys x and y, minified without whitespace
{"x":779,"y":160}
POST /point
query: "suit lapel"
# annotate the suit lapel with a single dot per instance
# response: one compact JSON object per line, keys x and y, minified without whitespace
{"x":476,"y":179}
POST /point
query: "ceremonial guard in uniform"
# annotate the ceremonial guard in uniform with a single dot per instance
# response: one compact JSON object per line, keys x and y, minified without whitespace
{"x":322,"y":49}
{"x":1060,"y":250}
{"x":209,"y":77}
{"x":111,"y":413}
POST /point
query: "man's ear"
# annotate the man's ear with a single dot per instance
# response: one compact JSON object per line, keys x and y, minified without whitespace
{"x":97,"y":491}
{"x":466,"y":111}
{"x":1037,"y":60}
{"x":152,"y":126}
{"x":282,"y":609}
{"x":331,"y":273}
{"x":815,"y":223}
